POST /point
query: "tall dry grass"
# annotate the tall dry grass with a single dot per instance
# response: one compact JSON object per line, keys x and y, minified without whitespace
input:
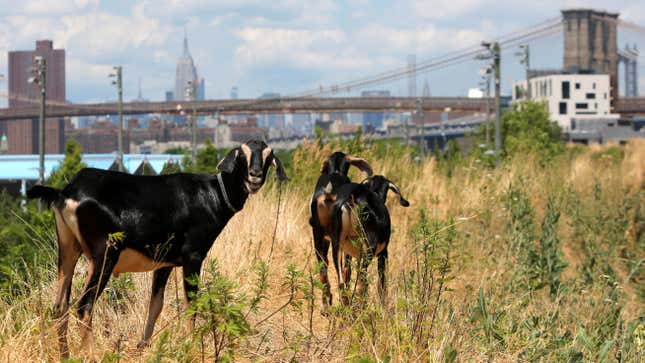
{"x":480,"y":314}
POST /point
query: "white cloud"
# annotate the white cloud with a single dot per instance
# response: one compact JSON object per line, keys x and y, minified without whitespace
{"x":426,"y":40}
{"x":56,"y":7}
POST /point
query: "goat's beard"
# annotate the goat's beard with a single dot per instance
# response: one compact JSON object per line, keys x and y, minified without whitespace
{"x":252,"y":187}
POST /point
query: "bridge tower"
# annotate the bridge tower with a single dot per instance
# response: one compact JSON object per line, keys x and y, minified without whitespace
{"x":590,"y":44}
{"x":629,"y":58}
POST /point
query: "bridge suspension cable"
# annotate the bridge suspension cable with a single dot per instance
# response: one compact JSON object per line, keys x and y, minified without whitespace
{"x":452,"y":58}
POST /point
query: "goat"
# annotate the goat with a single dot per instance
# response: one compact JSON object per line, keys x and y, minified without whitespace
{"x":333,"y":174}
{"x":361,"y":228}
{"x":163,"y":222}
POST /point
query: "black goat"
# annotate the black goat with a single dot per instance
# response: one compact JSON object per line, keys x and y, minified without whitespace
{"x":360,"y":224}
{"x":333,"y":174}
{"x":161,"y":222}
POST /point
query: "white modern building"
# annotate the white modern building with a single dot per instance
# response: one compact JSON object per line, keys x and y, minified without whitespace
{"x":569,"y":97}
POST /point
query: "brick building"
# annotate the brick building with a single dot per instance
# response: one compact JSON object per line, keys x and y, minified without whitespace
{"x":22,"y":135}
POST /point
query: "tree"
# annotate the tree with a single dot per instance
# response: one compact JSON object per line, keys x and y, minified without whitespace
{"x":527,"y":128}
{"x":205,"y":162}
{"x":72,"y":164}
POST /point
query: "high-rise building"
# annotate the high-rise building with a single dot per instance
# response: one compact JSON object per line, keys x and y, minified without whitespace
{"x":22,"y":135}
{"x":412,"y":75}
{"x":426,"y":88}
{"x":234,"y":93}
{"x":186,"y":72}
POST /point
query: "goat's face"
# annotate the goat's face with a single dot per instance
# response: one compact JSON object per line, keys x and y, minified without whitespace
{"x":339,"y":163}
{"x":250,"y":161}
{"x":380,"y":185}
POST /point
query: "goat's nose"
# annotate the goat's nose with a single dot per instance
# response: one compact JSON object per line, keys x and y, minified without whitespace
{"x":255,"y":173}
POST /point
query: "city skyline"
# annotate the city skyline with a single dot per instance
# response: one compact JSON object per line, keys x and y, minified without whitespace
{"x":285,"y":49}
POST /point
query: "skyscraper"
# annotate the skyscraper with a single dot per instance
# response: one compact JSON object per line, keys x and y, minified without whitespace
{"x":412,"y":75}
{"x":22,"y":135}
{"x":426,"y":88}
{"x":187,"y":72}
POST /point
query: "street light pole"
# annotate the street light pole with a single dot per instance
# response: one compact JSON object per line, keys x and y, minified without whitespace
{"x":39,"y":77}
{"x":118,"y":73}
{"x":495,"y":54}
{"x":498,"y":108}
{"x":190,"y":94}
{"x":422,"y":133}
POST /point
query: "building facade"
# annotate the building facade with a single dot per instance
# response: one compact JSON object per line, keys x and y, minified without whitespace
{"x":22,"y":135}
{"x":569,"y":97}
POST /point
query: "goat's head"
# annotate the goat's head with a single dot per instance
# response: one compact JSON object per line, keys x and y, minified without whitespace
{"x":339,"y":163}
{"x":250,"y":161}
{"x":380,"y":185}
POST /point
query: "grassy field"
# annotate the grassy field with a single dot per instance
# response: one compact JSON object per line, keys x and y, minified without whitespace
{"x":531,"y":261}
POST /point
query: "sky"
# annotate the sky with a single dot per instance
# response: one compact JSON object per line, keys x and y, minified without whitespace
{"x":284,"y":46}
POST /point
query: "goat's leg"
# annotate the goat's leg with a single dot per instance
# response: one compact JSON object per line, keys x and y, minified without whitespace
{"x":361,"y":276}
{"x":159,"y":280}
{"x":321,"y":246}
{"x":101,"y":265}
{"x":68,"y":253}
{"x":382,"y":285}
{"x":339,"y":260}
{"x":192,"y":268}
{"x":347,"y":270}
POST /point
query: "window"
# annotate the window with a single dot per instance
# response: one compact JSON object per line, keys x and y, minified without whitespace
{"x":577,"y":85}
{"x":593,"y":85}
{"x":582,"y":106}
{"x":550,"y":88}
{"x":591,"y":96}
{"x":563,"y":108}
{"x":605,"y":95}
{"x":565,"y":90}
{"x":595,"y":105}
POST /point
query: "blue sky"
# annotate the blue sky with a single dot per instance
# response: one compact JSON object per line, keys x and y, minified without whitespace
{"x":283,"y":46}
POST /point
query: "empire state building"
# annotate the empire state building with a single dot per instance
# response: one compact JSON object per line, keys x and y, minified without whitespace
{"x":187,"y":72}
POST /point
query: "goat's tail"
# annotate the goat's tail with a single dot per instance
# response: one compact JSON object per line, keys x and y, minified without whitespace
{"x":46,"y":194}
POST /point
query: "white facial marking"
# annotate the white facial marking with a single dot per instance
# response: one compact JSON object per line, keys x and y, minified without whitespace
{"x":247,"y":152}
{"x":265,"y":154}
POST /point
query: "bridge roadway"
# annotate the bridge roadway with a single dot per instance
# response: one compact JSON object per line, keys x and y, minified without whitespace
{"x":255,"y":106}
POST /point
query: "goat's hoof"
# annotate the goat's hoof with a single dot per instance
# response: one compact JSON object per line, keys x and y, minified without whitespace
{"x":143,"y":344}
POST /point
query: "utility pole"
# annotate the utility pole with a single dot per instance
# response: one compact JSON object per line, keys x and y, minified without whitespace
{"x":118,"y":73}
{"x":190,"y":95}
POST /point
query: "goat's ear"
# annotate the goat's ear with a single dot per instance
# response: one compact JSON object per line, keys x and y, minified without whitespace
{"x":396,"y":190}
{"x":279,"y":170}
{"x":229,"y":162}
{"x":324,"y":168}
{"x":360,"y":163}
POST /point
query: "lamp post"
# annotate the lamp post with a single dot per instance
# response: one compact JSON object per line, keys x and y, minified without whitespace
{"x":118,"y":82}
{"x":190,"y":96}
{"x":493,"y":53}
{"x":422,"y":124}
{"x":485,"y":84}
{"x":39,"y":77}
